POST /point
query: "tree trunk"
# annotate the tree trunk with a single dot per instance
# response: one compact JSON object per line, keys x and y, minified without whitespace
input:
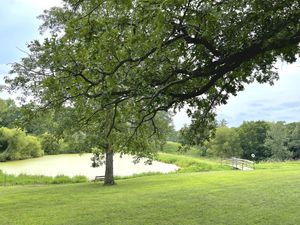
{"x":109,"y":166}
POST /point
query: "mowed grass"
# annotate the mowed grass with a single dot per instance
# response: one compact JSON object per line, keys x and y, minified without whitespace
{"x":266,"y":196}
{"x":277,"y":165}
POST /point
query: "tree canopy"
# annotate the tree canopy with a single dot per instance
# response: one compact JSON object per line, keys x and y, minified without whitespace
{"x":277,"y":141}
{"x":225,"y":144}
{"x":159,"y":54}
{"x":9,"y":112}
{"x":253,"y":135}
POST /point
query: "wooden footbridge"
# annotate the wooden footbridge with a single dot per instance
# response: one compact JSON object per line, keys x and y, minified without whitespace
{"x":240,"y":164}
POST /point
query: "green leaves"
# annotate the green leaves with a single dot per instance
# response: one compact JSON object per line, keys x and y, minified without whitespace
{"x":142,"y":57}
{"x":15,"y":145}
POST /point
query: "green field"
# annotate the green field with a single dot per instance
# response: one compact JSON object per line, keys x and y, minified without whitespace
{"x":270,"y":195}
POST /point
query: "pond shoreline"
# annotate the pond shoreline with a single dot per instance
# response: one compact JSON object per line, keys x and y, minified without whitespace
{"x":80,"y":165}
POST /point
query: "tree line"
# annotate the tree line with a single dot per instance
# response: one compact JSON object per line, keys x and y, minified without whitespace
{"x":253,"y":140}
{"x":25,"y":135}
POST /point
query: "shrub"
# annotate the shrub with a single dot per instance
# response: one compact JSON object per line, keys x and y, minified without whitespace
{"x":79,"y":179}
{"x":18,"y":145}
{"x":62,"y":179}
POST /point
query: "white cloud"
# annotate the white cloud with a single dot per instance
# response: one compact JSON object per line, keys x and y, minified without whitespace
{"x":265,"y":102}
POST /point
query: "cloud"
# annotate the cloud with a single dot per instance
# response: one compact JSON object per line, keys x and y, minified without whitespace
{"x":19,"y":26}
{"x":264,"y":102}
{"x":290,"y":104}
{"x":280,"y":102}
{"x":256,"y":104}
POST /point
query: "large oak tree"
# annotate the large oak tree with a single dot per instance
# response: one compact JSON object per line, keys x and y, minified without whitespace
{"x":145,"y":56}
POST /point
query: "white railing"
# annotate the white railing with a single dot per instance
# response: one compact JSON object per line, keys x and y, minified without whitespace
{"x":241,"y":164}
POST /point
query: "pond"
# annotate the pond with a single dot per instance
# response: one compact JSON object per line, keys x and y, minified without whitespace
{"x":75,"y":164}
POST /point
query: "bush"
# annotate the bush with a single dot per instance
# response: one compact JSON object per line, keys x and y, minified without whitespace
{"x":62,"y":179}
{"x":18,"y":145}
{"x":50,"y":144}
{"x":79,"y":179}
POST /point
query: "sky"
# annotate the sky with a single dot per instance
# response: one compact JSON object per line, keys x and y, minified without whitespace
{"x":280,"y":102}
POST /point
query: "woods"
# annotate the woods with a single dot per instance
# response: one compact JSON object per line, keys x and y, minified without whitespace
{"x":274,"y":141}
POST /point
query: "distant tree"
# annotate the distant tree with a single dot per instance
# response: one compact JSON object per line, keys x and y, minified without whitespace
{"x":38,"y":123}
{"x":277,"y":140}
{"x":9,"y":112}
{"x":252,"y":139}
{"x":166,"y":126}
{"x":174,"y":135}
{"x":50,"y":144}
{"x":200,"y":130}
{"x":226,"y":143}
{"x":222,"y":123}
{"x":294,"y":141}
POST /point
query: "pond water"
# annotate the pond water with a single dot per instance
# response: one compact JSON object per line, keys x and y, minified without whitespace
{"x":75,"y":164}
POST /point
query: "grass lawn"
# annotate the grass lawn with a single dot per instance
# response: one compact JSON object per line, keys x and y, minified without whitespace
{"x":264,"y":196}
{"x":192,"y":164}
{"x":277,"y":165}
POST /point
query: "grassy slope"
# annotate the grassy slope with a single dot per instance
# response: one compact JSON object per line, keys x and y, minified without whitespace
{"x":192,"y":164}
{"x":172,"y":147}
{"x":189,"y":161}
{"x":267,"y":196}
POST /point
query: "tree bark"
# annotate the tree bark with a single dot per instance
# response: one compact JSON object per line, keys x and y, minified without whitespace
{"x":109,"y":166}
